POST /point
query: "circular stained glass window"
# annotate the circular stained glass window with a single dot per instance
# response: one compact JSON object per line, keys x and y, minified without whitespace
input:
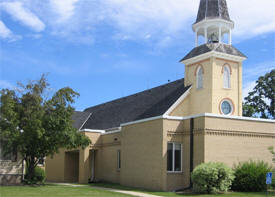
{"x":226,"y":107}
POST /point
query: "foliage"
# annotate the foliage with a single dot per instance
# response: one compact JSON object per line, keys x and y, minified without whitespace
{"x":212,"y":178}
{"x":250,"y":176}
{"x":271,"y":149}
{"x":248,"y":111}
{"x":38,"y":124}
{"x":261,"y":99}
{"x":273,"y":182}
{"x":39,"y":176}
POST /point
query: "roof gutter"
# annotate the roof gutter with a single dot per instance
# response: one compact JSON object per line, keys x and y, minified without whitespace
{"x":92,"y":131}
{"x":197,"y":116}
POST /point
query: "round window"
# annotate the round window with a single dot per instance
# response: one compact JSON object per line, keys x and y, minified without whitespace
{"x":226,"y":107}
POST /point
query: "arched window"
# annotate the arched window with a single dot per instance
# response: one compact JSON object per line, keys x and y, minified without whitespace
{"x":226,"y":77}
{"x":199,"y":75}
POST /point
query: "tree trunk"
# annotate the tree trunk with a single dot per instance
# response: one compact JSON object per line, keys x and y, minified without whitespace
{"x":30,"y":164}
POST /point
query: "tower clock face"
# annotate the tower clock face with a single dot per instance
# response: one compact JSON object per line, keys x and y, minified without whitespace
{"x":226,"y":107}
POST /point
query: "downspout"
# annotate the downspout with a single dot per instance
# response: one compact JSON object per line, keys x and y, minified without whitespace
{"x":93,"y":166}
{"x":191,"y":155}
{"x":191,"y":148}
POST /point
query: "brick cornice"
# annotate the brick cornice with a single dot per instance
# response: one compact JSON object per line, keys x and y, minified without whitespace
{"x":219,"y":132}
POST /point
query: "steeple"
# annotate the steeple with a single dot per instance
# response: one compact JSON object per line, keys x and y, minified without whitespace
{"x":213,"y":22}
{"x":210,"y":9}
{"x":214,"y":67}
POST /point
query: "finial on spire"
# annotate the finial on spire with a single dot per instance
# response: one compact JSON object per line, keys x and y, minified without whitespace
{"x":213,"y":22}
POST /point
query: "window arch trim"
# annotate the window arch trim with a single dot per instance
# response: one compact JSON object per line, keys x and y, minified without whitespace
{"x":199,"y":79}
{"x":197,"y":69}
{"x":227,"y":72}
{"x":228,"y":66}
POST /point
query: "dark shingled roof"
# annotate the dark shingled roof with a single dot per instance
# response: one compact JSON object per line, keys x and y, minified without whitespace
{"x":218,"y":47}
{"x":210,"y":9}
{"x":146,"y":104}
{"x":79,"y":118}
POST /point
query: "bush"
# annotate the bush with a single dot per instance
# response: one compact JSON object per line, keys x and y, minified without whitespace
{"x":212,"y":178}
{"x":273,"y":182}
{"x":38,"y":177}
{"x":251,"y":176}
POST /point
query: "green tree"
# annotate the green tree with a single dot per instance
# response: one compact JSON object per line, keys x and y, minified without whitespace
{"x":261,"y":100}
{"x":38,"y":124}
{"x":271,"y":150}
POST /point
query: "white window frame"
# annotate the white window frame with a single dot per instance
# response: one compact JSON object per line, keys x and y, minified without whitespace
{"x":226,"y":76}
{"x":118,"y":159}
{"x":199,"y":81}
{"x":173,"y":157}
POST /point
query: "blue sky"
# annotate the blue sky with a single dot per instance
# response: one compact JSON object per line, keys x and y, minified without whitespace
{"x":106,"y":49}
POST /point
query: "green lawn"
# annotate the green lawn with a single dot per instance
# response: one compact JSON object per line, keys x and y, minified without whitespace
{"x":55,"y":191}
{"x":173,"y":194}
{"x":88,"y":191}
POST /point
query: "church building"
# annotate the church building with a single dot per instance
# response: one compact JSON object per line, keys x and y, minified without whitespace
{"x":155,"y":138}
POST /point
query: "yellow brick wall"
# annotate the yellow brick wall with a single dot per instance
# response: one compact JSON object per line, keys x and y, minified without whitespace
{"x":208,"y":99}
{"x":55,"y":167}
{"x":107,"y":158}
{"x":142,"y":156}
{"x":177,"y":131}
{"x":199,"y":99}
{"x":183,"y":109}
{"x":232,"y":141}
{"x":219,"y":92}
{"x":144,"y":150}
{"x":71,"y":173}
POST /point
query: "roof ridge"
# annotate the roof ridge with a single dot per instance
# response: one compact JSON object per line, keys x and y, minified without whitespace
{"x":85,"y":120}
{"x":131,"y":95}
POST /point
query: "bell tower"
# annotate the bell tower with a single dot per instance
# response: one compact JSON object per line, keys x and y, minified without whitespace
{"x":214,"y":66}
{"x":213,"y":22}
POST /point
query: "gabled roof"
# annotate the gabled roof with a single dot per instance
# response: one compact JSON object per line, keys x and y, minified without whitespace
{"x":79,"y":118}
{"x":146,"y":104}
{"x":210,"y":9}
{"x":218,"y":47}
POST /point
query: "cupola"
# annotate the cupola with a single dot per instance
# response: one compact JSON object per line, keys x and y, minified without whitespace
{"x":213,"y":22}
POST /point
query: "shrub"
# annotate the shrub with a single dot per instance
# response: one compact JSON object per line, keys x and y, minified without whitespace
{"x":38,"y":177}
{"x":251,"y":176}
{"x":273,"y":182}
{"x":212,"y":178}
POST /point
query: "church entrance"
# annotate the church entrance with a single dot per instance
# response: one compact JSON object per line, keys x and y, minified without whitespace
{"x":71,"y":172}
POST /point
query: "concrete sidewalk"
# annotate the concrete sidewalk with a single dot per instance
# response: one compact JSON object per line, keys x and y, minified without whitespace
{"x":139,"y":194}
{"x":132,"y":193}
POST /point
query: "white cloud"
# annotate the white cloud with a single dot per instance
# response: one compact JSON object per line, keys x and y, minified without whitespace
{"x":252,"y":17}
{"x":255,"y":70}
{"x":22,"y":14}
{"x":173,"y":18}
{"x":7,"y":34}
{"x":145,"y":16}
{"x":143,"y":20}
{"x":64,"y":8}
{"x":4,"y":31}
